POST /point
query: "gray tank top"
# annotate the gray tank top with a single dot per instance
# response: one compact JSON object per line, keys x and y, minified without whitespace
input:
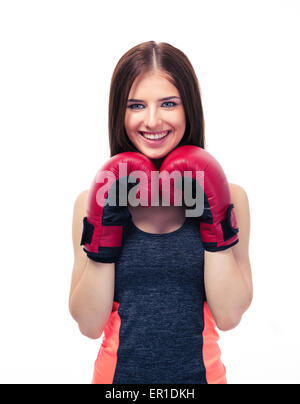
{"x":159,"y":285}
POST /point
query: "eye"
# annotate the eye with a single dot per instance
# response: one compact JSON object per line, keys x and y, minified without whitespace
{"x":133,"y":105}
{"x":170,"y":102}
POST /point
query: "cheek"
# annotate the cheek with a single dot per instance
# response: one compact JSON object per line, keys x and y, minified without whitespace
{"x":131,"y":124}
{"x":179,"y":119}
{"x":131,"y":129}
{"x":180,"y":124}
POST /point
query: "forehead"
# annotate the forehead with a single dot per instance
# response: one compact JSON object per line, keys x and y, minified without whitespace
{"x":152,"y":85}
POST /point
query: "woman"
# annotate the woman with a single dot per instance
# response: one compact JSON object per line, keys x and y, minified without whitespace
{"x":161,"y":297}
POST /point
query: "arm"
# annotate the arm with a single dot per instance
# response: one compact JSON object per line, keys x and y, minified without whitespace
{"x":92,"y":285}
{"x":104,"y":216}
{"x":228,"y":281}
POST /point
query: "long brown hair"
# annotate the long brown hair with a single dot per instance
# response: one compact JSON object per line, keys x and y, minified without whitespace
{"x":143,"y":58}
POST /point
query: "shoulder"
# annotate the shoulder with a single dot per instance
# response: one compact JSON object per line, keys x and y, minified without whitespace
{"x":79,"y":212}
{"x":80,"y":258}
{"x":81,"y":200}
{"x":238,"y":194}
{"x":239,"y":198}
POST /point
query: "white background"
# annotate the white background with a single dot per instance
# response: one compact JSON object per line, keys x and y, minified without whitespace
{"x":57,"y":58}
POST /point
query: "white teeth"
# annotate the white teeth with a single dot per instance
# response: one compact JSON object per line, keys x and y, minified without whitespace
{"x":155,"y":136}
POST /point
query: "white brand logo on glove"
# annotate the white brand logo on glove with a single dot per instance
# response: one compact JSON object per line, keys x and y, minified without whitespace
{"x":138,"y":189}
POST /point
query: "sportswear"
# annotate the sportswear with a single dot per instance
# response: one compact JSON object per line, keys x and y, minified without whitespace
{"x":160,"y":329}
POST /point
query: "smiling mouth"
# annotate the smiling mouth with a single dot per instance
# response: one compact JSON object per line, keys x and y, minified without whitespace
{"x":155,"y":136}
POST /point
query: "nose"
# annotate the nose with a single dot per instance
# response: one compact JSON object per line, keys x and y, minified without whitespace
{"x":152,"y":118}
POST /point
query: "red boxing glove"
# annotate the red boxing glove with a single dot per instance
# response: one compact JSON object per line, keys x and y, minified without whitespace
{"x":107,"y":205}
{"x":218,"y":224}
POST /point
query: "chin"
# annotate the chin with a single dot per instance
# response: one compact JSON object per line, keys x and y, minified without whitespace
{"x":155,"y":155}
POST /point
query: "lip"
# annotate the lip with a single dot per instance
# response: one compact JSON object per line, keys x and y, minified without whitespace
{"x":154,"y":142}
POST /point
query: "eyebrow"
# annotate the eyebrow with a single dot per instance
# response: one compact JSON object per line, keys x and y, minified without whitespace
{"x":161,"y":99}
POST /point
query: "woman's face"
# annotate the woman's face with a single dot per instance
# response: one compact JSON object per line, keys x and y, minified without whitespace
{"x":153,"y":125}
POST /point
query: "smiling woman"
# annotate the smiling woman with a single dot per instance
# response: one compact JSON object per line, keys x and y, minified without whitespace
{"x":158,"y":282}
